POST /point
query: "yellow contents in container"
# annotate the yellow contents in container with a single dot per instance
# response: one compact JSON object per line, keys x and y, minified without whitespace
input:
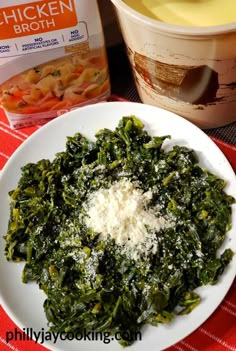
{"x":189,"y":12}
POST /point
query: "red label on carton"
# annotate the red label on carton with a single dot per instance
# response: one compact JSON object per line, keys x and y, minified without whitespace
{"x":36,"y":18}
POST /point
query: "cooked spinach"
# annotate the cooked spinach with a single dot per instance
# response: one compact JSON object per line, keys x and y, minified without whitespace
{"x":89,"y":283}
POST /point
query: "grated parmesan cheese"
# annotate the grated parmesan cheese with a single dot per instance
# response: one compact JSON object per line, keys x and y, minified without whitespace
{"x":121,"y":212}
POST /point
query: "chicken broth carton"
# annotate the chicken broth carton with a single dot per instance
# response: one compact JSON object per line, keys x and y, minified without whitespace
{"x":52,"y":59}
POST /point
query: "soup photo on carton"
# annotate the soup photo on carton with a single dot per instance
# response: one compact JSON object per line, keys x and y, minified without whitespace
{"x":52,"y":59}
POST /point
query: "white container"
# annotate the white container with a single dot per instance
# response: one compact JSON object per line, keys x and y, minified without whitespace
{"x":188,"y":70}
{"x":52,"y":59}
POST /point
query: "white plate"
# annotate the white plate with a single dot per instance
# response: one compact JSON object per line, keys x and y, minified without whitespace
{"x":24,"y":302}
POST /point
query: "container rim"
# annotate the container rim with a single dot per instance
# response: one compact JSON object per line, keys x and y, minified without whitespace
{"x":173,"y":28}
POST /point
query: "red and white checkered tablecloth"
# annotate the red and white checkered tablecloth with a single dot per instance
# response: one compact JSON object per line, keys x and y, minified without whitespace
{"x":218,"y":333}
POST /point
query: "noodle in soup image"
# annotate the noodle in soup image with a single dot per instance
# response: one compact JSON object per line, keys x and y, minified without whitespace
{"x":58,"y":84}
